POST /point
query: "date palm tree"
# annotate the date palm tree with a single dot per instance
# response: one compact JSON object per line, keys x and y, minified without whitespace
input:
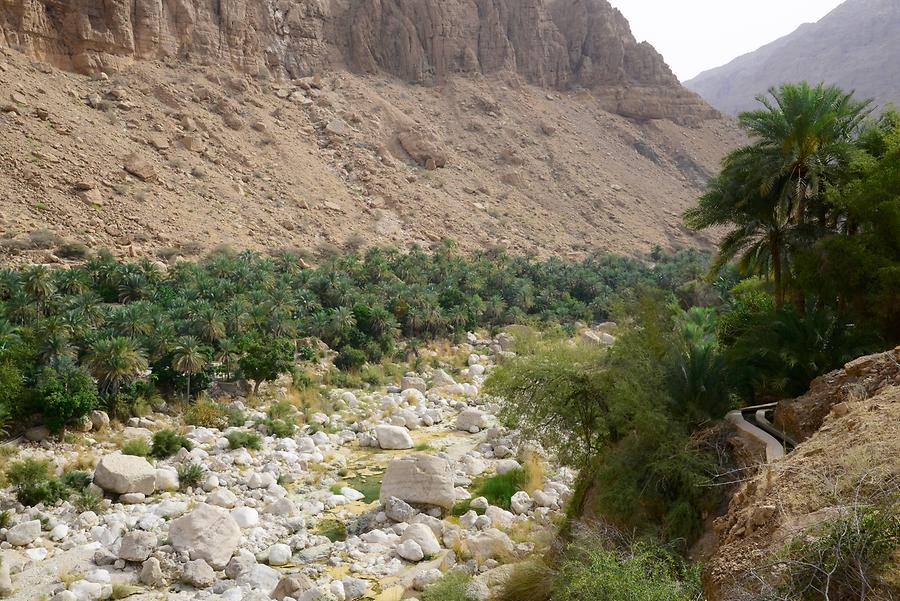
{"x":115,"y":361}
{"x":801,"y":137}
{"x":770,"y":192}
{"x":189,"y":357}
{"x":9,"y":335}
{"x":38,"y":284}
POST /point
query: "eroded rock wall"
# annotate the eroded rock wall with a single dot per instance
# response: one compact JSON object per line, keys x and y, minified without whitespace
{"x":92,"y":35}
{"x":556,"y":44}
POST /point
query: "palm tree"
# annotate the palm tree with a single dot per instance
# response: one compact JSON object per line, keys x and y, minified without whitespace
{"x":71,"y":281}
{"x":9,"y":335}
{"x":801,"y":137}
{"x":771,"y":191}
{"x":54,"y":341}
{"x":115,"y":361}
{"x":209,"y":324}
{"x":761,"y":226}
{"x":228,"y":354}
{"x":132,"y":320}
{"x":38,"y":283}
{"x":189,"y":357}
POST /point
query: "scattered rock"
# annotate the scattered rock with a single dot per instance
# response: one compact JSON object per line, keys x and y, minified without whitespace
{"x":471,"y":420}
{"x":208,"y":533}
{"x":24,"y":533}
{"x":292,"y":586}
{"x":121,"y":474}
{"x":424,"y":538}
{"x":198,"y":574}
{"x":393,"y":437}
{"x":398,"y":510}
{"x":140,"y":167}
{"x":152,"y":574}
{"x":419,"y":479}
{"x":137,"y":546}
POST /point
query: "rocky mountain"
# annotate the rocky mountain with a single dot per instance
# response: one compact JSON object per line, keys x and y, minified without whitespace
{"x":855,"y":46}
{"x":163,"y":126}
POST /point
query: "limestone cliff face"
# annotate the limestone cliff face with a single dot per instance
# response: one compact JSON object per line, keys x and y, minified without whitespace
{"x":552,"y":43}
{"x":91,"y":35}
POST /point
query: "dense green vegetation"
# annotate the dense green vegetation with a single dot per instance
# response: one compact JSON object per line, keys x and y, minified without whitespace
{"x":813,"y":208}
{"x":138,"y":330}
{"x":627,"y":417}
{"x":807,"y":278}
{"x":601,"y":566}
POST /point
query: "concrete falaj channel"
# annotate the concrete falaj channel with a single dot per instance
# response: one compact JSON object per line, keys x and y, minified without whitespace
{"x":756,"y":423}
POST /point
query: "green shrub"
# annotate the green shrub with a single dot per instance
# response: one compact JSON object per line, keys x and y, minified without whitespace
{"x":31,"y":479}
{"x":499,"y":489}
{"x":235,"y":418}
{"x":206,"y":413}
{"x":350,"y":359}
{"x":593,"y":568}
{"x":139,"y":447}
{"x":463,"y":507}
{"x":592,"y":573}
{"x":88,"y":500}
{"x":245,"y":440}
{"x":168,"y":442}
{"x":282,"y":410}
{"x":451,"y":587}
{"x":34,"y":484}
{"x":306,"y":353}
{"x":190,"y":474}
{"x":76,"y":480}
{"x":66,"y":394}
{"x":280,"y":428}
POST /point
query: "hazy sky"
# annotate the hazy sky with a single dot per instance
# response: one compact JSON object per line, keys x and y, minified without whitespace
{"x":695,"y":35}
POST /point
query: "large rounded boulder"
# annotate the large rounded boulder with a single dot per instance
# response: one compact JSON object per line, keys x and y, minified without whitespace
{"x":208,"y":533}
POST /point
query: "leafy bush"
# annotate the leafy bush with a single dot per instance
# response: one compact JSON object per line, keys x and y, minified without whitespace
{"x":168,"y":442}
{"x":245,"y":440}
{"x":139,"y":447}
{"x":602,"y":566}
{"x":265,"y":359}
{"x":621,"y":418}
{"x":190,"y":474}
{"x":235,"y":418}
{"x":640,"y":573}
{"x":279,"y":428}
{"x":350,"y":359}
{"x":66,"y":393}
{"x":88,"y":500}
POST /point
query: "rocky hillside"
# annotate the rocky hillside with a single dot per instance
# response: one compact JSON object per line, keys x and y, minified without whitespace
{"x":162,"y":128}
{"x":855,"y":47}
{"x":846,"y":463}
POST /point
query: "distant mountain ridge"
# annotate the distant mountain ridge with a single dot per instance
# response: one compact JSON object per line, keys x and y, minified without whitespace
{"x":856,"y":46}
